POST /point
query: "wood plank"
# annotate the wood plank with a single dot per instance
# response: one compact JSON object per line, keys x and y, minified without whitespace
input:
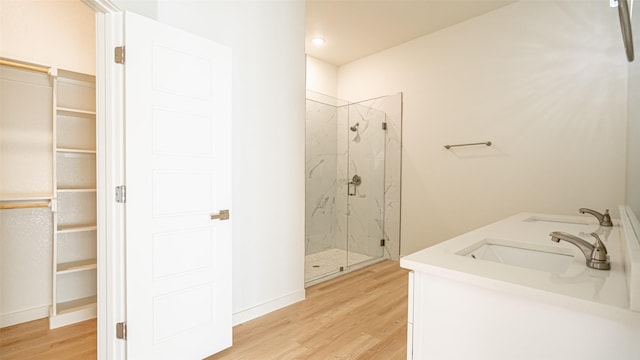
{"x":361,"y":315}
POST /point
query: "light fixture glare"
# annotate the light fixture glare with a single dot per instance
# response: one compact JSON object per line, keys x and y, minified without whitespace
{"x":317,"y":41}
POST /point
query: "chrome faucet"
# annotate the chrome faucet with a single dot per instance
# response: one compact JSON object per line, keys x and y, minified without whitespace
{"x":596,"y":254}
{"x":604,"y":219}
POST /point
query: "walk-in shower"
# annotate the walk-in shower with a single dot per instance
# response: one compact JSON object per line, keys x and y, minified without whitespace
{"x":352,"y":183}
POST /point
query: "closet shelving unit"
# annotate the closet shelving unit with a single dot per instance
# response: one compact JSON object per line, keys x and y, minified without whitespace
{"x":74,"y":205}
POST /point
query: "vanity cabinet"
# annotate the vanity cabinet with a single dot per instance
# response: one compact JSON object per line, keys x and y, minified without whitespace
{"x":463,"y":307}
{"x":74,"y":282}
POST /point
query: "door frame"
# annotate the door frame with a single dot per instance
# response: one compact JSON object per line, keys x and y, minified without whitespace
{"x":110,"y":173}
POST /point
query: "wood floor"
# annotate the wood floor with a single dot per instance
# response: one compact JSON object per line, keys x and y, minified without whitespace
{"x":34,"y":340}
{"x":361,"y":315}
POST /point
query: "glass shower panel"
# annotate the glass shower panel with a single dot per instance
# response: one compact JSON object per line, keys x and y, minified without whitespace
{"x":325,"y":247}
{"x":365,"y":183}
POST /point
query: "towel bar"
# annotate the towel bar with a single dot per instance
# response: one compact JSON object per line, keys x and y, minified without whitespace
{"x":488,"y":143}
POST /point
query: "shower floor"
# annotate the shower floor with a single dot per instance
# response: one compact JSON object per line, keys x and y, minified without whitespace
{"x":329,"y":261}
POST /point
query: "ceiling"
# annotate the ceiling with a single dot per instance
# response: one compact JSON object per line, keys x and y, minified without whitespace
{"x":353,"y":29}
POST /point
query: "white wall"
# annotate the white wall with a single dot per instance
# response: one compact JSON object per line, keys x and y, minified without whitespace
{"x":544,"y":81}
{"x":50,"y":33}
{"x":267,"y":40}
{"x":633,"y":126}
{"x":322,"y":77}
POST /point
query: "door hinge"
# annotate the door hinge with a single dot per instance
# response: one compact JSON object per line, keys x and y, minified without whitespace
{"x":121,"y":194}
{"x":119,"y":54}
{"x":382,"y":242}
{"x":384,"y":126}
{"x":222,"y":215}
{"x":121,"y":331}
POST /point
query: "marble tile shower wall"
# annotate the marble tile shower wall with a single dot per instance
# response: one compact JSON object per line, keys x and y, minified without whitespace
{"x":321,"y":178}
{"x":333,"y":155}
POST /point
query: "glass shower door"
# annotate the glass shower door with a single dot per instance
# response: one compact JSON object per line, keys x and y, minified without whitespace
{"x":365,"y":183}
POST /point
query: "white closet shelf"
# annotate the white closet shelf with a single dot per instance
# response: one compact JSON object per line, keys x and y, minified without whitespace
{"x":76,"y":228}
{"x":77,"y":304}
{"x":73,"y":190}
{"x":25,"y":197}
{"x":75,"y":151}
{"x":72,"y":111}
{"x":75,"y":266}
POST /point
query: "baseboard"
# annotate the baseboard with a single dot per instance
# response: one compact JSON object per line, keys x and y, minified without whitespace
{"x":19,"y":317}
{"x":265,"y":308}
{"x":82,"y":313}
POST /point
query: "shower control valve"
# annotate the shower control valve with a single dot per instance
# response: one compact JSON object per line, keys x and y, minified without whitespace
{"x":355,"y":181}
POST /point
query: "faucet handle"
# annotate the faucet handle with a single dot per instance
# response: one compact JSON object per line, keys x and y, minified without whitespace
{"x":606,"y":219}
{"x":599,"y":252}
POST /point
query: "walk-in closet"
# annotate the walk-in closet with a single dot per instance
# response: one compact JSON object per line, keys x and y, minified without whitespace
{"x":48,"y":182}
{"x":47,"y":193}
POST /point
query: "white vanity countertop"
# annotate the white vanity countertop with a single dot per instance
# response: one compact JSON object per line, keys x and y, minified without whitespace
{"x":602,"y":291}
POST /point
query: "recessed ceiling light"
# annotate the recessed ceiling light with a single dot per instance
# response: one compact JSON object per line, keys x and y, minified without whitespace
{"x":317,"y":41}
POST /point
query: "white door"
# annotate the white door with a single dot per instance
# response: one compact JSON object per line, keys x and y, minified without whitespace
{"x":178,"y":176}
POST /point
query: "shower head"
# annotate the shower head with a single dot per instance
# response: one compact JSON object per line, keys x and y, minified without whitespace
{"x":355,"y":127}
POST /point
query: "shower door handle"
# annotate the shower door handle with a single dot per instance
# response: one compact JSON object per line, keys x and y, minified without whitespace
{"x":222,"y":215}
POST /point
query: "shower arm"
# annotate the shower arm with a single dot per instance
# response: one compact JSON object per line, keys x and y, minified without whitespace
{"x":625,"y":26}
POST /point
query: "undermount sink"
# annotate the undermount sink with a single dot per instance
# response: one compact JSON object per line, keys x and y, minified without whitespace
{"x":534,"y":257}
{"x":555,"y":220}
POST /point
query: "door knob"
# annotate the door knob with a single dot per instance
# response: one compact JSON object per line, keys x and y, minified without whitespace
{"x":222,"y":215}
